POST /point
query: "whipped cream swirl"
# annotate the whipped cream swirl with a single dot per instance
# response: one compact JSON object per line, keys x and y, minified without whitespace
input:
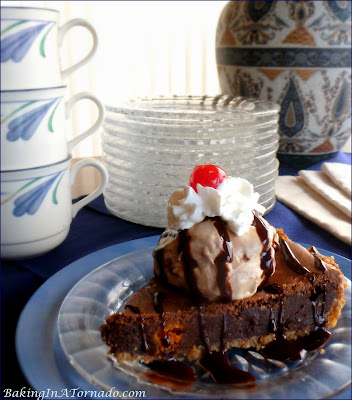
{"x":233,"y":201}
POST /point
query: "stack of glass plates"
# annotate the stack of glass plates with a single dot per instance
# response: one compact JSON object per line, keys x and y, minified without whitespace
{"x":151,"y":145}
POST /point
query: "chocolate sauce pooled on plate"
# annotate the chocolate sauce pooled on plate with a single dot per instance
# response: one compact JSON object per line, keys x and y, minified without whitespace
{"x":226,"y":256}
{"x":173,"y":369}
{"x":136,"y":310}
{"x":217,"y":364}
{"x":267,"y":256}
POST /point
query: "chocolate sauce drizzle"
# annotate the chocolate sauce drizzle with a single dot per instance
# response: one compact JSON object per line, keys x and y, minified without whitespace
{"x":226,"y":256}
{"x":271,"y":287}
{"x":184,"y":250}
{"x":319,"y":319}
{"x":136,"y":310}
{"x":292,"y":261}
{"x":158,"y":305}
{"x":292,"y":350}
{"x":202,"y":331}
{"x":223,"y":334}
{"x":289,"y":350}
{"x":169,"y":367}
{"x":319,"y":263}
{"x":159,"y":257}
{"x":216,"y":362}
{"x":267,"y":256}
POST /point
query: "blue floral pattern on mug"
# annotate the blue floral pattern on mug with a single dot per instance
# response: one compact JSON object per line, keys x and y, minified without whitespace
{"x":15,"y":46}
{"x":25,"y":125}
{"x":30,"y":202}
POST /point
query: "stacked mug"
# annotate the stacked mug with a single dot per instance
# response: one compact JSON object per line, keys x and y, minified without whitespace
{"x":36,"y":177}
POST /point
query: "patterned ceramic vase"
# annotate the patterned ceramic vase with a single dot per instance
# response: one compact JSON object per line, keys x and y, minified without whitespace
{"x":297,"y":53}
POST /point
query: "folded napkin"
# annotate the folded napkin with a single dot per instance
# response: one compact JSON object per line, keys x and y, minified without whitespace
{"x":324,"y":186}
{"x":340,"y":174}
{"x":316,"y":205}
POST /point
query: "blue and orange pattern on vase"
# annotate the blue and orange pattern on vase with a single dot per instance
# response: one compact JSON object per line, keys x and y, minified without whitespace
{"x":15,"y":46}
{"x":25,"y":125}
{"x":29,"y":202}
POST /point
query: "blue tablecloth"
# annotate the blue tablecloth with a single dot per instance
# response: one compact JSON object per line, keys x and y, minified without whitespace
{"x":95,"y":228}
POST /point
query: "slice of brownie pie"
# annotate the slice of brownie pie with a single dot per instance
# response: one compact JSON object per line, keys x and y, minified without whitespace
{"x":225,"y":278}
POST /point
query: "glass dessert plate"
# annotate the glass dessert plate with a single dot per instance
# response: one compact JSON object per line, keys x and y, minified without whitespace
{"x":190,"y":107}
{"x":106,"y":290}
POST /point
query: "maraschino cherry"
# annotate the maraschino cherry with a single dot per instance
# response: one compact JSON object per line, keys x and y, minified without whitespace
{"x":207,"y":175}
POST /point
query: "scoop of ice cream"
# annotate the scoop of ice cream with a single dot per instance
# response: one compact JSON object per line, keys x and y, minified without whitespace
{"x":233,"y":201}
{"x":218,"y":246}
{"x":210,"y":261}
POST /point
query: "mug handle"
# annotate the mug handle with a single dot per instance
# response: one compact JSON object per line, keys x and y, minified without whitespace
{"x":98,"y":191}
{"x":63,"y":30}
{"x":84,"y":95}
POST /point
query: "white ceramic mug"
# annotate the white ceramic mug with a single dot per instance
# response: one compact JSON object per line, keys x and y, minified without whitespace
{"x":37,"y":209}
{"x":30,"y":47}
{"x":33,"y":130}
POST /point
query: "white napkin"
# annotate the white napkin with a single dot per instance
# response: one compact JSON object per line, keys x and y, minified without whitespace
{"x":340,"y":174}
{"x":324,"y":186}
{"x":296,"y":194}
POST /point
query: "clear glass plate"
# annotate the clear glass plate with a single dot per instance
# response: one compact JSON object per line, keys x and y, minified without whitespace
{"x":140,"y":162}
{"x":177,"y":145}
{"x":106,"y":290}
{"x":201,"y":127}
{"x":158,"y":129}
{"x":190,"y":107}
